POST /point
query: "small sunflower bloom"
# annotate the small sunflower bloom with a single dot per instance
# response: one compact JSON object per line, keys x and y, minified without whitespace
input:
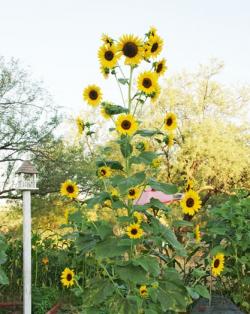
{"x":170,"y":122}
{"x":134,"y":231}
{"x":190,"y":185}
{"x":80,"y":125}
{"x":138,"y":216}
{"x":45,"y":260}
{"x":69,"y":189}
{"x":218,"y":264}
{"x":169,"y":140}
{"x":67,"y":277}
{"x":134,"y":193}
{"x":143,"y":291}
{"x":156,"y":94}
{"x":147,"y":82}
{"x":104,"y":172}
{"x":160,"y":67}
{"x":156,"y":163}
{"x":107,"y":56}
{"x":190,"y":203}
{"x":107,"y":40}
{"x":92,"y":95}
{"x":104,"y":113}
{"x":155,"y":45}
{"x":126,"y":124}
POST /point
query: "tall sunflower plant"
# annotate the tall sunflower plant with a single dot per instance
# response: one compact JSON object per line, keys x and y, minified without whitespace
{"x":136,"y":257}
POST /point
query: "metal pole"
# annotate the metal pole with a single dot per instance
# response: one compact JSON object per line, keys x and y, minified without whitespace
{"x":26,"y":252}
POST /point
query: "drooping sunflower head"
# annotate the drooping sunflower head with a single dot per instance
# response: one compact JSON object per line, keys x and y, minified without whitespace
{"x":130,"y":47}
{"x":92,"y":95}
{"x":104,"y":172}
{"x":104,"y":113}
{"x":155,"y":44}
{"x":126,"y":124}
{"x":170,"y":121}
{"x":160,"y":67}
{"x":80,"y":125}
{"x":217,"y":264}
{"x":190,"y":203}
{"x":197,"y":234}
{"x":104,"y":71}
{"x":69,"y":189}
{"x":108,"y":56}
{"x":134,"y":231}
{"x":147,"y":82}
{"x":138,"y":216}
{"x":134,"y":193}
{"x":169,"y":139}
{"x":67,"y":277}
{"x":143,"y":291}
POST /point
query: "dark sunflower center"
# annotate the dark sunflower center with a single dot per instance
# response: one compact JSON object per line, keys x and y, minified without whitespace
{"x":154,"y":47}
{"x":147,"y":82}
{"x":159,"y":67}
{"x":134,"y":231}
{"x":190,"y":202}
{"x":69,"y":277}
{"x":130,"y":49}
{"x":143,"y":291}
{"x":103,"y":172}
{"x":126,"y":125}
{"x":70,"y":189}
{"x":132,"y":192}
{"x":93,"y":94}
{"x":216,"y":263}
{"x":169,"y":121}
{"x":109,"y":55}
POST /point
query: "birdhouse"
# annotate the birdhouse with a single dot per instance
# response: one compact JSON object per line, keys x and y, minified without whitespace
{"x":27,"y":177}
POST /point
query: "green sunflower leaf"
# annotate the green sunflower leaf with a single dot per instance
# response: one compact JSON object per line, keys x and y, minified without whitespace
{"x":98,"y":199}
{"x":114,"y":109}
{"x":110,"y":248}
{"x":149,"y":263}
{"x":135,"y":180}
{"x":125,"y":147}
{"x":144,"y":157}
{"x":123,"y":81}
{"x":163,"y":187}
{"x":113,"y":164}
{"x":202,"y":291}
{"x":148,"y":133}
{"x":132,"y":273}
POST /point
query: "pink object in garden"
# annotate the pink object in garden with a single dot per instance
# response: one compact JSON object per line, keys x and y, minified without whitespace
{"x":162,"y":197}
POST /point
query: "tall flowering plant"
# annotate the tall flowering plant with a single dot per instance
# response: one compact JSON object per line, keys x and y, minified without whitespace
{"x":136,"y":256}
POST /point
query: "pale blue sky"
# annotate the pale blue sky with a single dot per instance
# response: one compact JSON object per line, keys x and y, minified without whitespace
{"x":59,"y":39}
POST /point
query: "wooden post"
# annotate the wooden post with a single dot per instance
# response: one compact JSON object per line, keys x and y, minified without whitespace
{"x":26,"y":252}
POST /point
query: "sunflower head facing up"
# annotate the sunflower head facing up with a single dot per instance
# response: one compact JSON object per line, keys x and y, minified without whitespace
{"x":217,"y":264}
{"x":197,"y":234}
{"x":134,"y":193}
{"x":143,"y":291}
{"x":134,"y":231}
{"x":67,"y":277}
{"x":92,"y":95}
{"x":130,"y":47}
{"x":107,"y":55}
{"x":170,"y":121}
{"x":69,"y":189}
{"x":160,"y":67}
{"x":190,"y":203}
{"x":147,"y":82}
{"x":126,"y":124}
{"x":80,"y":125}
{"x":104,"y":172}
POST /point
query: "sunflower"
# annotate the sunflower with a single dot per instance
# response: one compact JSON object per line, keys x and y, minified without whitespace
{"x":147,"y":82}
{"x":45,"y":260}
{"x":197,"y":234}
{"x":217,"y":264}
{"x":107,"y":39}
{"x":190,"y":203}
{"x":169,"y":140}
{"x":80,"y":125}
{"x":126,"y":124}
{"x":134,"y":231}
{"x":143,"y":291}
{"x":114,"y":192}
{"x":105,"y":72}
{"x":130,"y":47}
{"x":152,"y":31}
{"x":69,"y":189}
{"x":134,"y":193}
{"x":67,"y":277}
{"x":92,"y":95}
{"x":190,"y":184}
{"x":104,"y":172}
{"x":156,"y":162}
{"x":138,"y":216}
{"x":142,"y":146}
{"x":156,"y":93}
{"x":104,"y":113}
{"x":108,"y":56}
{"x":155,"y":45}
{"x":160,"y":67}
{"x":170,"y":121}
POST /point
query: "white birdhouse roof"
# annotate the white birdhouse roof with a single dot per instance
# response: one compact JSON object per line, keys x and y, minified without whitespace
{"x":27,"y":167}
